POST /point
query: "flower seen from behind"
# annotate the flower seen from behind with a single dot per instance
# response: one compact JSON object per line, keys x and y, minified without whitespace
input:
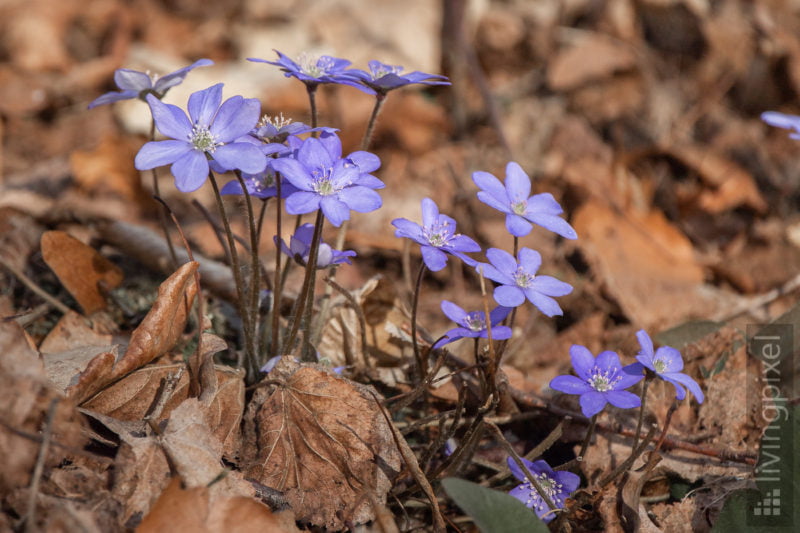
{"x":313,"y":70}
{"x":519,"y":281}
{"x":261,"y":185}
{"x":666,"y":363}
{"x":521,"y":209}
{"x":383,"y":78}
{"x":558,"y":486}
{"x":782,"y":120}
{"x":209,"y":132}
{"x":299,"y":249}
{"x":600,"y":381}
{"x":473,"y":324}
{"x":136,"y":84}
{"x":324,"y":180}
{"x":436,"y":236}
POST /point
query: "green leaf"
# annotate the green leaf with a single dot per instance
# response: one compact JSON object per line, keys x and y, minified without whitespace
{"x":493,"y":511}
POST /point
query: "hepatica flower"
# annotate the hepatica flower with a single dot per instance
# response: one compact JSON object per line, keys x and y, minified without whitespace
{"x":436,"y":236}
{"x":383,"y":78}
{"x":313,"y":70}
{"x":473,"y":324}
{"x":521,"y":209}
{"x":556,"y":485}
{"x":519,"y":281}
{"x":600,"y":381}
{"x":135,"y":84}
{"x":209,"y":132}
{"x":329,"y":182}
{"x":666,"y":363}
{"x":261,"y":185}
{"x":300,"y":247}
{"x":782,"y":120}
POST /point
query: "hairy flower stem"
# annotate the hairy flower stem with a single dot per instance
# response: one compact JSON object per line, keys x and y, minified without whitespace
{"x":648,"y":378}
{"x":380,"y":99}
{"x":233,"y":258}
{"x":588,"y":438}
{"x":277,"y":286}
{"x":311,"y":88}
{"x":308,"y":281}
{"x":162,"y":212}
{"x":421,"y":366}
{"x":255,"y":275}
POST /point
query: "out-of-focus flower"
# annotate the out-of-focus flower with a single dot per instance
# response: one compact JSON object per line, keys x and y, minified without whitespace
{"x":782,"y":120}
{"x":313,"y":70}
{"x":300,"y":247}
{"x":556,"y":485}
{"x":383,"y":78}
{"x":135,"y":84}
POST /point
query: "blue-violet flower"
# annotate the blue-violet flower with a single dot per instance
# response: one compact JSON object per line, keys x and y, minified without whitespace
{"x":518,"y":280}
{"x":520,"y":207}
{"x":782,"y":120}
{"x":210,"y":132}
{"x":136,"y":84}
{"x":313,"y":70}
{"x":558,"y":486}
{"x":600,"y":381}
{"x":436,"y":236}
{"x":329,"y":182}
{"x":300,"y":247}
{"x":666,"y":363}
{"x":473,"y":324}
{"x":383,"y":78}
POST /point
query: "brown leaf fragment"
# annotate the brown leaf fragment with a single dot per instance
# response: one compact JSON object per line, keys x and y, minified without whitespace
{"x":158,"y":332}
{"x":71,"y":332}
{"x":195,"y":510}
{"x":141,"y":472}
{"x":80,"y":269}
{"x":19,"y":233}
{"x":321,"y":440}
{"x":592,"y":57}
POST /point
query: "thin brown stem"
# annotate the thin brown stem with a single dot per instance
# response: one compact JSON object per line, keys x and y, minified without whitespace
{"x":255,"y":275}
{"x":645,"y":385}
{"x":421,"y":366}
{"x":380,"y":99}
{"x":308,"y":285}
{"x":277,"y":286}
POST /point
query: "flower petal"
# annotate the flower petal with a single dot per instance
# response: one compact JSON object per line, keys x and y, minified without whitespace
{"x":548,"y":306}
{"x":190,"y":171}
{"x":690,"y":384}
{"x":499,"y":333}
{"x":243,"y":156}
{"x":671,"y":357}
{"x":530,"y":260}
{"x":517,"y":226}
{"x":503,"y":261}
{"x":491,"y":185}
{"x":462,"y":243}
{"x":334,"y":210}
{"x":498,"y":314}
{"x":365,"y":161}
{"x":509,"y":296}
{"x":235,"y":118}
{"x":490,"y":272}
{"x":570,"y":385}
{"x":582,"y":361}
{"x":430,"y":212}
{"x":551,"y":286}
{"x":555,"y":224}
{"x":494,"y":203}
{"x":608,"y":361}
{"x":646,"y":343}
{"x":361,"y":199}
{"x":453,"y":312}
{"x":434,"y":258}
{"x":518,"y":184}
{"x":302,"y":202}
{"x":203,"y":105}
{"x":170,"y":119}
{"x":175,"y":78}
{"x":408,"y":229}
{"x":314,"y":155}
{"x":592,"y":403}
{"x":157,"y":153}
{"x":132,"y":80}
{"x":294,"y":171}
{"x":623,"y":399}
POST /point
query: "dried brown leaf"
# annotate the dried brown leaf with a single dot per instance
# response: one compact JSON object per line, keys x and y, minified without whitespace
{"x":80,"y":269}
{"x":19,"y":235}
{"x":322,"y":440}
{"x":158,"y":332}
{"x":71,"y":332}
{"x":592,"y":57}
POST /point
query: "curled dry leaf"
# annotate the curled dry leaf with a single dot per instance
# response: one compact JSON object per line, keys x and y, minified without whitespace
{"x":323,"y":441}
{"x":158,"y":332}
{"x":80,"y":269}
{"x":196,"y":510}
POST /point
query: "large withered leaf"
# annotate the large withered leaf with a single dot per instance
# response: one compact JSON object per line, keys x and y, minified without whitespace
{"x":158,"y":332}
{"x":80,"y":269}
{"x":323,"y":441}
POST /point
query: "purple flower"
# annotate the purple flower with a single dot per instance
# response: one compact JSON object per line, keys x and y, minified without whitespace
{"x":437,"y":237}
{"x":473,"y":324}
{"x":313,"y":70}
{"x":383,"y":78}
{"x":520,"y":208}
{"x":210,"y":131}
{"x":782,"y":120}
{"x":518,"y":280}
{"x":135,"y":84}
{"x":600,"y":381}
{"x":329,"y":182}
{"x":300,"y":247}
{"x":260,"y":185}
{"x":666,"y":363}
{"x":556,"y":485}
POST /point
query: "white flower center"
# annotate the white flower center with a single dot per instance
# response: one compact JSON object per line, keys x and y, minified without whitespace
{"x":522,"y":278}
{"x":277,"y":121}
{"x":314,"y":66}
{"x":262,"y":181}
{"x":438,"y":234}
{"x":552,"y":488}
{"x":202,"y":139}
{"x":324,"y":184}
{"x":383,"y":70}
{"x":603,"y":381}
{"x":660,"y":365}
{"x":520,"y":207}
{"x":474,"y":321}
